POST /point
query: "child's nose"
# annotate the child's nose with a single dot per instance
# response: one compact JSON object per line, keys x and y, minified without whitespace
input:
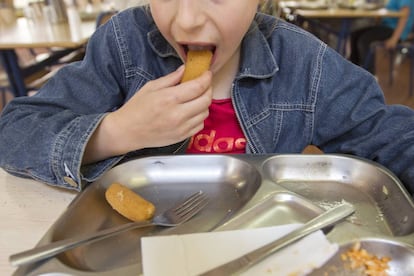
{"x":190,"y":14}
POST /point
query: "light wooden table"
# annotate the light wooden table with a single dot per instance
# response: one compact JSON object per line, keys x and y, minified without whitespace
{"x":27,"y":210}
{"x":345,"y":15}
{"x":25,"y":33}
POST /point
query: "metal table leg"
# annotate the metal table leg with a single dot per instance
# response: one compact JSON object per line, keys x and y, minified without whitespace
{"x":343,"y":35}
{"x":16,"y":80}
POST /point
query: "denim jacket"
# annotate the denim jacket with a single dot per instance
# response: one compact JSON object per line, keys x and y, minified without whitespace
{"x":291,"y":91}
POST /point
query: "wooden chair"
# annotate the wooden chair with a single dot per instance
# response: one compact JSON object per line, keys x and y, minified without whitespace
{"x":404,"y":49}
{"x":104,"y":16}
{"x":33,"y":82}
{"x":40,"y":73}
{"x":269,"y":7}
{"x":3,"y":89}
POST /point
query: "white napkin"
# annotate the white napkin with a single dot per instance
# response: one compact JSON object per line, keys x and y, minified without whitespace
{"x":192,"y":254}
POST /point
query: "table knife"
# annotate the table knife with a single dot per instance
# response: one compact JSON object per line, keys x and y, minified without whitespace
{"x":328,"y":218}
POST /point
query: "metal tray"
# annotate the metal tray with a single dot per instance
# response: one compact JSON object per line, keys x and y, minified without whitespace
{"x":246,"y":191}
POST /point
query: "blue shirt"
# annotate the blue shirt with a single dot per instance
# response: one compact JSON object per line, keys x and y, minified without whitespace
{"x":396,"y":5}
{"x":291,"y":90}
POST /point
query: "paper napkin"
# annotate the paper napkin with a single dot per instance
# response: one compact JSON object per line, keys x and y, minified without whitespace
{"x":192,"y":254}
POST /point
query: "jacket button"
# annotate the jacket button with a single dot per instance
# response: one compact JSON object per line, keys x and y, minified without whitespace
{"x":70,"y":181}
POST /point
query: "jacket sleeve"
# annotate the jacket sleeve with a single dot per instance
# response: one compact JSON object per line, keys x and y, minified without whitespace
{"x":352,"y":117}
{"x":44,"y":136}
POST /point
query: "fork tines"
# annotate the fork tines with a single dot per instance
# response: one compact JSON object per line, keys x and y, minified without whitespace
{"x":192,"y":205}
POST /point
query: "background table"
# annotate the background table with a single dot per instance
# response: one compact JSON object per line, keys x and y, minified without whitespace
{"x":28,"y":34}
{"x":344,"y":14}
{"x":27,"y":210}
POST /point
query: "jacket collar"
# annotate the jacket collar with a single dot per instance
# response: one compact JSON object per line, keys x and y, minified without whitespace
{"x":257,"y":59}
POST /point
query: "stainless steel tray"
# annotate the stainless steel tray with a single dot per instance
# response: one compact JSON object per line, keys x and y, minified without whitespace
{"x":246,"y":191}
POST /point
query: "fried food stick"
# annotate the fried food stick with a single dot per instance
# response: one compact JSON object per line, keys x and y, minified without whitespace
{"x":128,"y":203}
{"x":197,"y":63}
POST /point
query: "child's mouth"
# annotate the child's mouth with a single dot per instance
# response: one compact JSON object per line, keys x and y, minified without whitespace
{"x":193,"y":47}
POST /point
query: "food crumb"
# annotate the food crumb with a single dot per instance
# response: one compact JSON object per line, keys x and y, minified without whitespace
{"x":369,"y":264}
{"x":384,"y":190}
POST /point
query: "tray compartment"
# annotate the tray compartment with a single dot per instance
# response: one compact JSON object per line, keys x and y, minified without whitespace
{"x":277,"y":209}
{"x":402,"y":258}
{"x":328,"y":180}
{"x":229,"y":183}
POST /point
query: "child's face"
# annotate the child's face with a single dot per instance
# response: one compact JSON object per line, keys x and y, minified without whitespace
{"x":218,"y":25}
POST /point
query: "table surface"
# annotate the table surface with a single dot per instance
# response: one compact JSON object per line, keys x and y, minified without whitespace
{"x":347,"y":13}
{"x":28,"y":34}
{"x":337,"y":12}
{"x":27,"y":210}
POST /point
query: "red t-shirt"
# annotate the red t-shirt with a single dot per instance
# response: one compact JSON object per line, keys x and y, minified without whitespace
{"x":221,"y":133}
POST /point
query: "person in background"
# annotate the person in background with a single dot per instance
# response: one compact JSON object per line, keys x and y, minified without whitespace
{"x":390,"y":31}
{"x":272,"y":88}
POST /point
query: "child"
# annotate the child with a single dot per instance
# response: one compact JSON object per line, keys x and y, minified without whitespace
{"x":272,"y":88}
{"x":391,"y":31}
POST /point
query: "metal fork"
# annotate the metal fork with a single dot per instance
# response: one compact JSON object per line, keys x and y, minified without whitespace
{"x":171,"y":217}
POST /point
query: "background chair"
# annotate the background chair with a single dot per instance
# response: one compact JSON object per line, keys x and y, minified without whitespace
{"x":104,"y":16}
{"x":269,"y":7}
{"x":403,"y":50}
{"x":3,"y":89}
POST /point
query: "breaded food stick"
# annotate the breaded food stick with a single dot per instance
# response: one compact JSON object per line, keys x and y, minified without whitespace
{"x":197,"y":63}
{"x":128,"y":203}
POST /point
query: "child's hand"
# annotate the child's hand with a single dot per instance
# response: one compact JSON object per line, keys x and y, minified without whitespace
{"x":163,"y":112}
